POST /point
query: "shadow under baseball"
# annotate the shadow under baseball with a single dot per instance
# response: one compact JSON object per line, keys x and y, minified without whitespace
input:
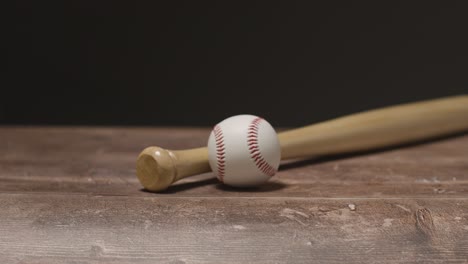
{"x":269,"y":186}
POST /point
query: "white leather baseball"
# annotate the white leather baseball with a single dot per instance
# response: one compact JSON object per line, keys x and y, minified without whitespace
{"x":244,"y":151}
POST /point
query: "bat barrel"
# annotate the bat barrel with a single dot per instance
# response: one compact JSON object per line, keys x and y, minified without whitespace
{"x":378,"y":128}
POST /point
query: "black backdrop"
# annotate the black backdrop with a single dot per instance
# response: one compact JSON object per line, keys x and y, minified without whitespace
{"x":193,"y":63}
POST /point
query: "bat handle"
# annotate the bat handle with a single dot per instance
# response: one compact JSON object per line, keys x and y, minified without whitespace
{"x":378,"y":128}
{"x":158,"y":168}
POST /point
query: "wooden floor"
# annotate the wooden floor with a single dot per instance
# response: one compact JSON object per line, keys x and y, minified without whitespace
{"x":70,"y":195}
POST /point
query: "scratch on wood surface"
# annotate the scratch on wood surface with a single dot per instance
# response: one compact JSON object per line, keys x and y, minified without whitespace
{"x":424,"y":222}
{"x":326,"y":210}
{"x":336,"y":167}
{"x":387,"y":222}
{"x":403,"y":208}
{"x":96,"y":251}
{"x":147,"y":224}
{"x":292,"y":215}
{"x":432,"y":180}
{"x":438,"y":190}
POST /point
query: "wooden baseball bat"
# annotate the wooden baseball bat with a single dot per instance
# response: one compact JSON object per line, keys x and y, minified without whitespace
{"x":158,"y":168}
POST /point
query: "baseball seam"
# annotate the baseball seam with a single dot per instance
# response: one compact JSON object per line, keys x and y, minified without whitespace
{"x":254,"y":148}
{"x":220,"y":152}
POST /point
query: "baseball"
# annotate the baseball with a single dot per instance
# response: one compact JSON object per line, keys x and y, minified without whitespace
{"x":244,"y":151}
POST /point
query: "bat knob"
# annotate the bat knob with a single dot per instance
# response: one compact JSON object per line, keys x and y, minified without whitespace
{"x":156,"y":169}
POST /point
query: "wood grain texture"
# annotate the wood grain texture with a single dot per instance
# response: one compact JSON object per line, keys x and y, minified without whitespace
{"x":70,"y":195}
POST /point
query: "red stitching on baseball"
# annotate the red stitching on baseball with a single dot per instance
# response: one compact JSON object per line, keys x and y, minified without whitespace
{"x":220,"y":152}
{"x":254,"y":148}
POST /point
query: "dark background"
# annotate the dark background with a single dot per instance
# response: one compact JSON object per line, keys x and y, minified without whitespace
{"x":193,"y":63}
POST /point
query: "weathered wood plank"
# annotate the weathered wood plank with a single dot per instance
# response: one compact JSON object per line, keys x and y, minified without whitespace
{"x":102,"y":160}
{"x":70,"y":195}
{"x":56,"y":228}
